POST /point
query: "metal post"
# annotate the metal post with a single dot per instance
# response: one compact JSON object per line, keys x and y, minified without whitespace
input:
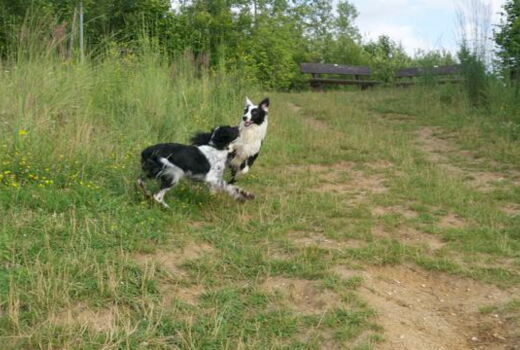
{"x":81,"y":47}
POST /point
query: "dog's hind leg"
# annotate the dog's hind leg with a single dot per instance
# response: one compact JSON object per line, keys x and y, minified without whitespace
{"x":234,"y":191}
{"x":159,"y":196}
{"x":170,"y":175}
{"x":167,"y":184}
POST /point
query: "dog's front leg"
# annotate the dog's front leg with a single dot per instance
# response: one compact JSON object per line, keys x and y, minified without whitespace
{"x":142,"y":185}
{"x":234,"y":191}
{"x":233,"y":175}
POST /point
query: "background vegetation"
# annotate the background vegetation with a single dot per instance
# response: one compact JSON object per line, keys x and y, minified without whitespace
{"x":264,"y":39}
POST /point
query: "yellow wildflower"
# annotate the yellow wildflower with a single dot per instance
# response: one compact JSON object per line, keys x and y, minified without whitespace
{"x":22,"y":132}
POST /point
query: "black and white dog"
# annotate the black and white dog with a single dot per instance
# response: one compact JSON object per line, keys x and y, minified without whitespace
{"x":170,"y":162}
{"x":253,"y":129}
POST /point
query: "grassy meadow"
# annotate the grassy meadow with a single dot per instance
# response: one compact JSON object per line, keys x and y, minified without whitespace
{"x":373,"y":209}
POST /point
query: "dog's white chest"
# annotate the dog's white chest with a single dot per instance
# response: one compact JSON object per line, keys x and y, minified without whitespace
{"x":250,"y":141}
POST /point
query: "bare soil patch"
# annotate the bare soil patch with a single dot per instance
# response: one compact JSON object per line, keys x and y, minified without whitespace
{"x":341,"y":178}
{"x":186,"y":293}
{"x":278,"y":253}
{"x":398,"y":117}
{"x":380,"y":165}
{"x":356,"y":183}
{"x":322,"y":169}
{"x":452,"y":221}
{"x":170,"y":262}
{"x":511,"y":209}
{"x":428,"y":310}
{"x":393,"y":210}
{"x":309,"y":239}
{"x":302,"y":296}
{"x":410,"y":236}
{"x":438,"y":149}
{"x":346,"y":272}
{"x":360,"y":186}
{"x":325,"y":338}
{"x":435,"y":147}
{"x":294,"y":107}
{"x":486,"y":180}
{"x":99,"y":320}
{"x":196,"y":224}
{"x":317,"y":124}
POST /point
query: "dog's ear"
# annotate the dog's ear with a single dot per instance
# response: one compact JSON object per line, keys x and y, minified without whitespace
{"x":248,"y":102}
{"x":265,"y":104}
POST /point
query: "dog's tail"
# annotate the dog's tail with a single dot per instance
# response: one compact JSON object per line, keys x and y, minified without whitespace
{"x":201,"y":138}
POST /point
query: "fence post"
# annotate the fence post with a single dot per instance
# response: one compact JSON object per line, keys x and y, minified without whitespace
{"x":81,"y":43}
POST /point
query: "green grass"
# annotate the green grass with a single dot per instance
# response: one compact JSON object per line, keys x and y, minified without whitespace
{"x":86,"y":262}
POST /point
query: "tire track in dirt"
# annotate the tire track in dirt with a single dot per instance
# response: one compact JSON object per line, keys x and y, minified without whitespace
{"x":437,"y":150}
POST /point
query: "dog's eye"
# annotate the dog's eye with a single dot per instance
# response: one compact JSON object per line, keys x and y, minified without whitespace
{"x":246,"y":109}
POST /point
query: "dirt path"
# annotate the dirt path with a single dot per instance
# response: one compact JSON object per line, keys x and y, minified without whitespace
{"x":425,"y":310}
{"x":418,"y":309}
{"x":437,"y":150}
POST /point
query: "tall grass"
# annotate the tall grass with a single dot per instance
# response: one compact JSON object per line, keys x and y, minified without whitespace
{"x":58,"y":109}
{"x":70,"y":137}
{"x":487,"y":92}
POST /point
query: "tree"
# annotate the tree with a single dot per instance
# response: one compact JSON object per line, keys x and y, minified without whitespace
{"x":347,"y":14}
{"x":386,"y":56}
{"x":118,"y":20}
{"x":507,"y":38}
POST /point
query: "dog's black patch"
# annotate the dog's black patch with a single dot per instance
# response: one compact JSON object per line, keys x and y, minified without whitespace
{"x":219,"y":138}
{"x":258,"y":114}
{"x":223,"y":136}
{"x":188,"y":158}
{"x":251,"y":160}
{"x":201,"y":138}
